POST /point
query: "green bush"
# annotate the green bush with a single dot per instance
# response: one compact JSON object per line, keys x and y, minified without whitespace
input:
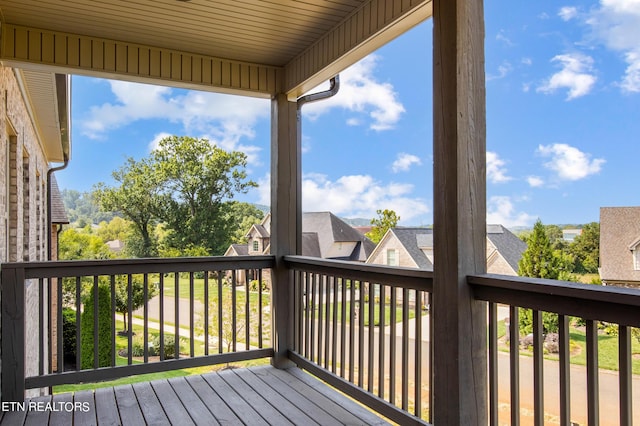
{"x":105,"y":331}
{"x":253,"y":285}
{"x":549,"y":321}
{"x":169,"y":346}
{"x":69,"y":328}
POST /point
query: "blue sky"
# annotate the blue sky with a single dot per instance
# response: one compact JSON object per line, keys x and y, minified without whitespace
{"x":563,"y":107}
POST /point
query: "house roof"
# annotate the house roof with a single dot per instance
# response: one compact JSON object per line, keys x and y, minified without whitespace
{"x":260,"y":230}
{"x":413,"y":240}
{"x":310,"y":245}
{"x":619,"y":231}
{"x":58,"y":212}
{"x":238,"y":249}
{"x":508,"y":244}
{"x":330,"y":229}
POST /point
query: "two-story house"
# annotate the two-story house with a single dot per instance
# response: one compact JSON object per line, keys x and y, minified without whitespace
{"x":620,"y":246}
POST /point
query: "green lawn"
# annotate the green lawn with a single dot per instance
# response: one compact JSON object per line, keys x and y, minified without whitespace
{"x":365,"y":312}
{"x":607,"y":349}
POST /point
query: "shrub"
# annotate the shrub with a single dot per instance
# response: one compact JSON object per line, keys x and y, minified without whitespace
{"x":104,"y":328}
{"x":549,"y":321}
{"x":253,"y":285}
{"x":69,"y":328}
{"x":169,"y":346}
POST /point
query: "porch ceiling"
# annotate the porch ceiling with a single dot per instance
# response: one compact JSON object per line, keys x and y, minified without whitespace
{"x":257,"y":47}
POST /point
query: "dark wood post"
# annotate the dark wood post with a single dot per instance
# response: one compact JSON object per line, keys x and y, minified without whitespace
{"x":460,"y":321}
{"x":12,"y":290}
{"x":286,"y":218}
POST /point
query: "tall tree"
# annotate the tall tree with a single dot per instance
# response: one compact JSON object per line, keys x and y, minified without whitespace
{"x":138,"y":199}
{"x":538,"y":260}
{"x":586,"y":248}
{"x":242,"y":216}
{"x":197,"y":177}
{"x":386,"y":220}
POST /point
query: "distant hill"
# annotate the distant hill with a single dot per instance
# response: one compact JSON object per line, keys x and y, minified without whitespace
{"x":357,"y":221}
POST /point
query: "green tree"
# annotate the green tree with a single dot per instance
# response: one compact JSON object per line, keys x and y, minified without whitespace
{"x":242,"y":216}
{"x":197,"y":177}
{"x":386,"y":220}
{"x":116,"y":229}
{"x":538,"y":260}
{"x":82,"y":245}
{"x":137,"y":295}
{"x":104,"y":331}
{"x":586,"y":248}
{"x":137,"y":197}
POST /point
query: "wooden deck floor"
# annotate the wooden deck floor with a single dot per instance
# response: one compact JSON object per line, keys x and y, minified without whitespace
{"x":251,"y":396}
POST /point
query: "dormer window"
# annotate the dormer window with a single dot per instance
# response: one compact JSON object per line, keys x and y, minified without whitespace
{"x":256,"y":245}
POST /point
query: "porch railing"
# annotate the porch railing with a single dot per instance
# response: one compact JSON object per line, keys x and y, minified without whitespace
{"x":364,"y":329}
{"x":581,"y":305}
{"x":224,"y":310}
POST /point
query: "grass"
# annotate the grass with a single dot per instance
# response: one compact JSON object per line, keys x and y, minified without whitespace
{"x":365,"y":311}
{"x":607,"y":349}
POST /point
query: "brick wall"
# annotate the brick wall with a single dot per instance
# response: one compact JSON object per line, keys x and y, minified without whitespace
{"x":23,"y":171}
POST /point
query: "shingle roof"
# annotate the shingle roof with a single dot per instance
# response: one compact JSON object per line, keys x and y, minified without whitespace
{"x":329,"y":229}
{"x":507,"y":244}
{"x":58,"y":212}
{"x":310,"y":245}
{"x":241,"y":249}
{"x":619,"y":229}
{"x":413,"y":239}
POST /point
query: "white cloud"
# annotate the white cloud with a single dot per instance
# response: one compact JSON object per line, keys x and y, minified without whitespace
{"x":567,"y":13}
{"x":535,"y":181}
{"x":225,"y":119}
{"x":496,"y":172}
{"x":404,"y":162}
{"x":526,"y":61}
{"x":617,"y":24}
{"x":501,"y":211}
{"x":361,"y":93}
{"x":576,"y":75}
{"x":354,"y":196}
{"x":156,"y":140}
{"x":503,"y":38}
{"x":503,"y":70}
{"x":568,"y":162}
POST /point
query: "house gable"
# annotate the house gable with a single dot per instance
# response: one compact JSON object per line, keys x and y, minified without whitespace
{"x":620,"y":245}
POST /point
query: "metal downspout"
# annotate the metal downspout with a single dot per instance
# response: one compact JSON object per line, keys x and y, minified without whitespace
{"x":49,"y":223}
{"x":314,"y":97}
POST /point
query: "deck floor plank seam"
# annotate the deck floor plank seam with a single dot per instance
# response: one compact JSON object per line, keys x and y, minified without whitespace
{"x":171,"y":404}
{"x":348,"y":404}
{"x":62,"y":417}
{"x":262,"y":405}
{"x":128,"y":406}
{"x":311,"y":403}
{"x":149,"y":404}
{"x":106,"y":407}
{"x":216,"y":405}
{"x":190,"y":399}
{"x":295,"y":414}
{"x":37,"y":417}
{"x":89,"y":417}
{"x":239,"y":406}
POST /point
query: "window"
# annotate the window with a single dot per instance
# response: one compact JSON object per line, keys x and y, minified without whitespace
{"x":256,"y":245}
{"x":392,"y":257}
{"x":636,"y":259}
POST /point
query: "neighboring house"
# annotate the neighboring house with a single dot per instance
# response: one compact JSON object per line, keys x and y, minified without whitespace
{"x":34,"y":123}
{"x":116,"y":246}
{"x":569,"y":235}
{"x":620,"y":246}
{"x":413,"y":248}
{"x":324,"y":235}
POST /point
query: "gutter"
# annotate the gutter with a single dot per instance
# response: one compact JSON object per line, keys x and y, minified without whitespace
{"x":314,"y":97}
{"x":63,"y":92}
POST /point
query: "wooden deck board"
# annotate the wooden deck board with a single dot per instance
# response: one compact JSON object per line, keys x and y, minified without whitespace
{"x":296,"y":414}
{"x":255,"y":396}
{"x":128,"y":407}
{"x":199,"y":412}
{"x":210,"y":398}
{"x":175,"y":411}
{"x":106,"y":407}
{"x":63,"y":417}
{"x":38,"y":416}
{"x":149,"y":404}
{"x":243,"y":410}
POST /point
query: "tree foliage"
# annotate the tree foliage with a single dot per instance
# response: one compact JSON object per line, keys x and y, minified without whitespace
{"x":538,"y":260}
{"x":137,"y":295}
{"x":586,"y":248}
{"x":386,"y":220}
{"x":104,"y":331}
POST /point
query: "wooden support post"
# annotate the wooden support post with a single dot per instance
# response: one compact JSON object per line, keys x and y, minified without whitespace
{"x":286,"y":220}
{"x":12,"y":289}
{"x":460,"y":321}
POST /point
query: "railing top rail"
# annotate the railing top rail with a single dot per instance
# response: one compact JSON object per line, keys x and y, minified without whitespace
{"x":139,"y":266}
{"x":605,"y":303}
{"x":418,"y":279}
